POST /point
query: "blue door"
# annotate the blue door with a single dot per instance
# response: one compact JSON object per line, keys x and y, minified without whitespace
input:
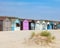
{"x":52,"y":25}
{"x":49,"y":26}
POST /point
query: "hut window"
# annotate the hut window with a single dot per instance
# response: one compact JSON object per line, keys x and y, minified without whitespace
{"x":17,"y":24}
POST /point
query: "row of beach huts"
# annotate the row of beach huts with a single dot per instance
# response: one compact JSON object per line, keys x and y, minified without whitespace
{"x":14,"y":24}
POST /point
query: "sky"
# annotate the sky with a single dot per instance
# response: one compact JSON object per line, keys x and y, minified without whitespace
{"x":31,"y":9}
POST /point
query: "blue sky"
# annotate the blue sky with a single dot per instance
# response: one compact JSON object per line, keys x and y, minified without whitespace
{"x":33,"y":9}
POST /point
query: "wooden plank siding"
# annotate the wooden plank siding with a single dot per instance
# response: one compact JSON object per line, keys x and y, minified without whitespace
{"x":6,"y":25}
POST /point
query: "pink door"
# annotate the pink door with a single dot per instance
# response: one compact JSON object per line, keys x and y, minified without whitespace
{"x":25,"y":25}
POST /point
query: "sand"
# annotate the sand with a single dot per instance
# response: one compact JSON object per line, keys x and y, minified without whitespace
{"x":15,"y":39}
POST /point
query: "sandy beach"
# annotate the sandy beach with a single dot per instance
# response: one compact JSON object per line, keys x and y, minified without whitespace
{"x":15,"y":39}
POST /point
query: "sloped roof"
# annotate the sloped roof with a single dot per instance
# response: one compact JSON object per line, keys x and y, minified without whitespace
{"x":4,"y":17}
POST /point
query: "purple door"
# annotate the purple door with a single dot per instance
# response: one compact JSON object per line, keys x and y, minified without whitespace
{"x":25,"y":25}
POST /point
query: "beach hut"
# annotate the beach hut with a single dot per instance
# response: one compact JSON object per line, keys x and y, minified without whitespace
{"x":41,"y":25}
{"x":55,"y":25}
{"x":16,"y":25}
{"x":44,"y":25}
{"x":25,"y":25}
{"x":38,"y":25}
{"x":32,"y":25}
{"x":49,"y":26}
{"x":58,"y":26}
{"x":52,"y":25}
{"x":6,"y":24}
{"x":1,"y":25}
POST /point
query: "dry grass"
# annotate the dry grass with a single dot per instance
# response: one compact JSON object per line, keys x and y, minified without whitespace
{"x":44,"y":38}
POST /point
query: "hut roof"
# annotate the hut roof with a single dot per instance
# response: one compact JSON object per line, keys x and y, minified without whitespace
{"x":4,"y":17}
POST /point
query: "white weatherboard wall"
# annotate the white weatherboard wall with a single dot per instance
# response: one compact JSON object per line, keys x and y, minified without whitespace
{"x":38,"y":26}
{"x":44,"y":25}
{"x":41,"y":25}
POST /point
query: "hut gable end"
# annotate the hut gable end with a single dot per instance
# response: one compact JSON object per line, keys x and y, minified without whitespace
{"x":6,"y":24}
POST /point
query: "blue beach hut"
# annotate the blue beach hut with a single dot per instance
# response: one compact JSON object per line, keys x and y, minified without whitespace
{"x":49,"y":26}
{"x":58,"y":26}
{"x":52,"y":25}
{"x":16,"y":25}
